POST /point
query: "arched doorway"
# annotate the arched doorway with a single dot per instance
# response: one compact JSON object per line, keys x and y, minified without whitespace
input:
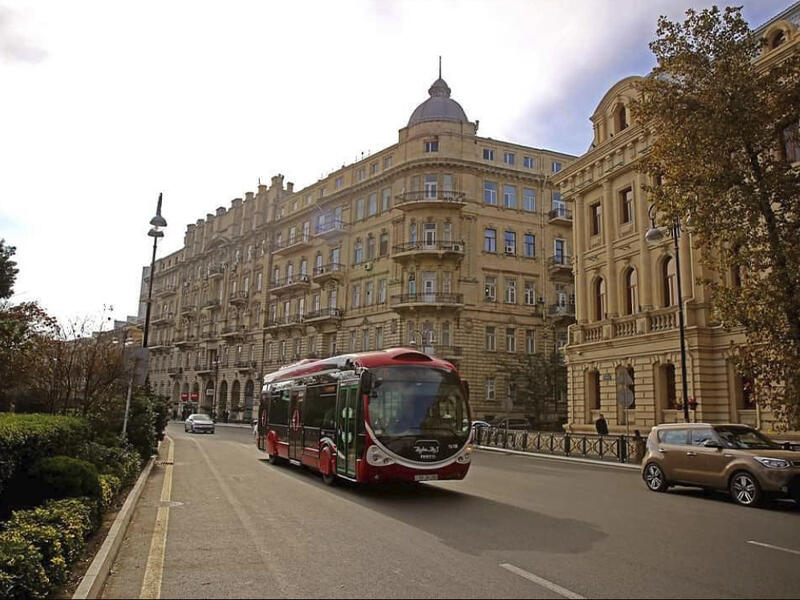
{"x":207,"y":400}
{"x":248,"y":401}
{"x":222,"y":401}
{"x":235,"y":400}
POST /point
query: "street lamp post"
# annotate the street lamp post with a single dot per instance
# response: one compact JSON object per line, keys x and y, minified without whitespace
{"x":158,"y":222}
{"x":215,"y":364}
{"x":653,"y":236}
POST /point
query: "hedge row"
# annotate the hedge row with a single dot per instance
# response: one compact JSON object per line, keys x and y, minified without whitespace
{"x":27,"y":438}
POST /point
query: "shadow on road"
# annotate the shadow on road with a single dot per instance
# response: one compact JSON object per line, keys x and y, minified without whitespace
{"x":780,"y":505}
{"x":469,"y":523}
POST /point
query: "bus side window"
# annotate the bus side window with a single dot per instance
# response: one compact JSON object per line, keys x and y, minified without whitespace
{"x":328,"y":407}
{"x":279,"y":408}
{"x":312,"y":417}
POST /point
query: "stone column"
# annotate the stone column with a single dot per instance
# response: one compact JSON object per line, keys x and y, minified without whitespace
{"x":645,"y":271}
{"x":579,"y":241}
{"x":609,"y":231}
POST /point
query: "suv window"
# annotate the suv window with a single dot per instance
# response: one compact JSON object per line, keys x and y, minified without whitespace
{"x":674,"y":436}
{"x":699,"y":436}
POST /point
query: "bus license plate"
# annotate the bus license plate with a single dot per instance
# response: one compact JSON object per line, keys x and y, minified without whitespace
{"x":433,"y":477}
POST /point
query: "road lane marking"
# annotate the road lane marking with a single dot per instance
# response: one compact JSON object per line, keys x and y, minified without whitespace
{"x":553,"y":587}
{"x":789,"y":550}
{"x":154,"y":571}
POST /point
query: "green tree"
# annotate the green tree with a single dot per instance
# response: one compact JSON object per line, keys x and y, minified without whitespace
{"x":8,"y":270}
{"x":724,"y":130}
{"x":538,"y":386}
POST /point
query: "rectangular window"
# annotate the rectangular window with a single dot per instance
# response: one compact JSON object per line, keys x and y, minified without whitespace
{"x":626,"y":205}
{"x":510,"y":242}
{"x":530,"y":343}
{"x":339,"y":182}
{"x":528,"y":200}
{"x":509,"y":196}
{"x":530,"y":293}
{"x":447,"y":282}
{"x":432,"y":146}
{"x":490,"y":240}
{"x":362,"y":174}
{"x":359,"y":209}
{"x":373,"y":204}
{"x":431,"y":186}
{"x":488,"y":154}
{"x":365,"y":339}
{"x":447,"y":183}
{"x":511,"y":339}
{"x":511,"y":291}
{"x":385,"y":199}
{"x":379,"y":338}
{"x":447,"y":230}
{"x":387,"y":162}
{"x":596,"y":218}
{"x":556,"y":167}
{"x":352,"y":347}
{"x":490,"y":388}
{"x":259,"y":278}
{"x":529,"y":245}
{"x":357,"y":295}
{"x":490,"y":289}
{"x":358,"y":253}
{"x":373,"y":168}
{"x":490,"y":193}
{"x":383,"y":249}
{"x":370,"y":248}
{"x":381,"y":291}
{"x":508,"y":158}
{"x":528,"y":162}
{"x":491,"y":343}
{"x":369,"y":295}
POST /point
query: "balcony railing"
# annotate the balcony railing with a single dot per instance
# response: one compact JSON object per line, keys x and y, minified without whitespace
{"x":329,"y":271}
{"x":163,"y":318}
{"x":331,"y":229}
{"x":211,"y":303}
{"x":174,"y":370}
{"x":560,"y":213}
{"x":429,"y":197}
{"x":324,"y":313}
{"x":288,"y":284}
{"x":165,"y":290}
{"x":421,"y":247}
{"x":300,"y":240}
{"x":245,"y":365}
{"x":215,"y":271}
{"x":432,"y":298}
{"x":283,"y":321}
{"x":238,"y":297}
{"x":447,"y":351}
{"x":561,"y":310}
{"x":560,"y":261}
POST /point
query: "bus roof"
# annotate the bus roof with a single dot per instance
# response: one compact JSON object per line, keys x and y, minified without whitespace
{"x":376,"y":358}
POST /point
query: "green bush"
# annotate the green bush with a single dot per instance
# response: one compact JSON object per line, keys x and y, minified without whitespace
{"x":124,"y":463}
{"x":47,"y":540}
{"x":59,"y":477}
{"x":22,"y":575}
{"x":109,"y":486}
{"x":71,"y":517}
{"x":27,"y":438}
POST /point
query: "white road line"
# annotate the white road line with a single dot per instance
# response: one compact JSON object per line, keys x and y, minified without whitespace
{"x":553,"y":587}
{"x":789,"y":550}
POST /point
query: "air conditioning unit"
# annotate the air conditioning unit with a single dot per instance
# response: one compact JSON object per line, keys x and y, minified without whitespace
{"x":368,"y":266}
{"x":509,"y":249}
{"x":458,"y":247}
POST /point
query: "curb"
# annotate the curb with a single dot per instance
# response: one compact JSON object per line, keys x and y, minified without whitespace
{"x":95,"y":577}
{"x":240,"y":425}
{"x":585,"y":461}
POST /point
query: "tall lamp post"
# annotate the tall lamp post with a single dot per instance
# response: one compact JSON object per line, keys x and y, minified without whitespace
{"x":158,"y":222}
{"x":654,"y":236}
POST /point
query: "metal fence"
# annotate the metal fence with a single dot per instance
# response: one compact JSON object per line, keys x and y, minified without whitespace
{"x":616,"y":448}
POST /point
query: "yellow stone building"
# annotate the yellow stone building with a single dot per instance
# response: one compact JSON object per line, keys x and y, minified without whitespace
{"x":455,"y":243}
{"x":627,"y":324}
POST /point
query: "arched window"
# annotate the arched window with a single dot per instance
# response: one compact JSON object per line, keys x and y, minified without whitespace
{"x":412,"y":284}
{"x":631,"y":292}
{"x":318,"y":263}
{"x":669,"y":282}
{"x":599,"y":299}
{"x":621,"y":117}
{"x":778,"y":38}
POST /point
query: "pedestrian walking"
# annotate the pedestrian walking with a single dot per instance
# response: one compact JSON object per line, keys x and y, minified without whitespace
{"x":638,"y":446}
{"x":601,"y":425}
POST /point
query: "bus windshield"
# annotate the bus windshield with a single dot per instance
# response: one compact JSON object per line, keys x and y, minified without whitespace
{"x":412,"y":403}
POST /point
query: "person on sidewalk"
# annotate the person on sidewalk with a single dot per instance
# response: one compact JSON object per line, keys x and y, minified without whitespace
{"x":601,"y":425}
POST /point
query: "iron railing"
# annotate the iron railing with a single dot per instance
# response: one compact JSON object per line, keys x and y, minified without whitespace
{"x":428,"y":298}
{"x":423,"y":246}
{"x":617,"y":448}
{"x":431,"y":196}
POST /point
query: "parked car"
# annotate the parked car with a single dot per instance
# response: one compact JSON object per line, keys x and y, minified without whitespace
{"x":513,"y":423}
{"x":736,"y":458}
{"x":198,"y":423}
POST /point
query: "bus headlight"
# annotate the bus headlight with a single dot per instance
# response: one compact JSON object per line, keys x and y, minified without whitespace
{"x":466,"y":456}
{"x":377,"y":457}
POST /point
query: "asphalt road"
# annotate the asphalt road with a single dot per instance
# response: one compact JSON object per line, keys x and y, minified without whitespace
{"x":516,"y":527}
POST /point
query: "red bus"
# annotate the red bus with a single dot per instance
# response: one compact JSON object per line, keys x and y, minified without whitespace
{"x":388,"y":415}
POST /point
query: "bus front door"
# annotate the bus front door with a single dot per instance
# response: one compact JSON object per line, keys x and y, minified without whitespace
{"x":346,"y":414}
{"x":296,"y":425}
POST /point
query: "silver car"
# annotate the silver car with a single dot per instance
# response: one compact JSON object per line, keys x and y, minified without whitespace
{"x":198,"y":423}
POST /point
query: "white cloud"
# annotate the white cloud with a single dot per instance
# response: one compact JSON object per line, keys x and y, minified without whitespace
{"x":198,"y":100}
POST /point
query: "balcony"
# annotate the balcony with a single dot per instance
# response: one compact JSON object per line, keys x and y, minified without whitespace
{"x":204,"y":369}
{"x":426,"y":300}
{"x":560,"y":263}
{"x":239,"y":298}
{"x":174,"y":371}
{"x":188,"y":310}
{"x":430,"y":199}
{"x":284,"y":321}
{"x":288,"y":285}
{"x":298,"y":242}
{"x":233,"y":332}
{"x":330,"y":230}
{"x":329,"y":272}
{"x":440,"y":250}
{"x":447,"y":352}
{"x":163,"y":319}
{"x":561,"y":310}
{"x":211,"y":304}
{"x":165,"y":290}
{"x":185,"y":340}
{"x":323,"y":315}
{"x":216,"y":272}
{"x":560,"y":214}
{"x":245,"y":365}
{"x":209,"y":334}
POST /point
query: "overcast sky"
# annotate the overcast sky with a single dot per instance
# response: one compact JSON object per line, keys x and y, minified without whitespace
{"x":105,"y":104}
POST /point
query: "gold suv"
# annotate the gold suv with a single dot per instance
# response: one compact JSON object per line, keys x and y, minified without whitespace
{"x":736,"y":458}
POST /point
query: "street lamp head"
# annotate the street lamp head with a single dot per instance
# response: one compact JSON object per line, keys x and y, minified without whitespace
{"x":156,"y":232}
{"x":158,"y":220}
{"x":654,"y":235}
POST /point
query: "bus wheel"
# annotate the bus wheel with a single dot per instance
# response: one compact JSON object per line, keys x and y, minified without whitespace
{"x":327,"y":468}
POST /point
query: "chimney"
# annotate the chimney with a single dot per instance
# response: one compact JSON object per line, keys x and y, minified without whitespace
{"x":289,"y":187}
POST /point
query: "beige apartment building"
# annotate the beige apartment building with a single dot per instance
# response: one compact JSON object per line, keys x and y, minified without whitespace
{"x":627,"y":333}
{"x":457,"y":244}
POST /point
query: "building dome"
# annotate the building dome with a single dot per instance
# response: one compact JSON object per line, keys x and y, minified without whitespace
{"x":439,"y":107}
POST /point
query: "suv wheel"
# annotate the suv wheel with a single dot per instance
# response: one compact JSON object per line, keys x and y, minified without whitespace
{"x":745,"y":489}
{"x":654,"y":478}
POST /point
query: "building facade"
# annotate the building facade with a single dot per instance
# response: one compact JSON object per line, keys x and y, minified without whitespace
{"x":626,"y":336}
{"x":455,"y":244}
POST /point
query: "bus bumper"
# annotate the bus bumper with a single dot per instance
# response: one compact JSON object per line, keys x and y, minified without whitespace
{"x":395,"y":472}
